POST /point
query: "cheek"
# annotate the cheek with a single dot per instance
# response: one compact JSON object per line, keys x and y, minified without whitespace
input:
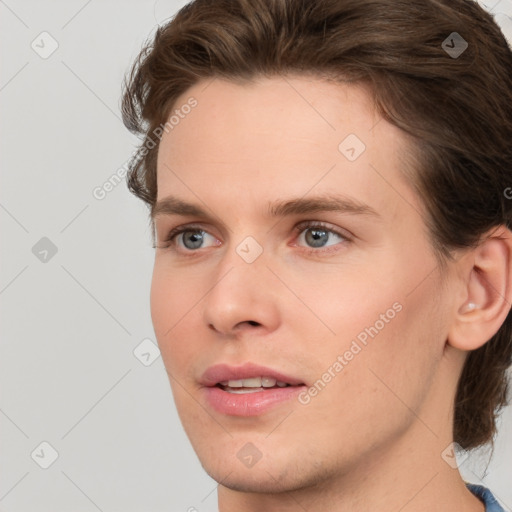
{"x":392,"y":366}
{"x":170,"y":301}
{"x":403,"y":346}
{"x":173,"y":294}
{"x":161,"y":303}
{"x":172,"y":313}
{"x":379,"y":320}
{"x":339,"y":302}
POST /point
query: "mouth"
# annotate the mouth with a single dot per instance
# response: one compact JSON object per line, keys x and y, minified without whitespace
{"x":252,"y":385}
{"x":248,"y":375}
{"x":248,"y":390}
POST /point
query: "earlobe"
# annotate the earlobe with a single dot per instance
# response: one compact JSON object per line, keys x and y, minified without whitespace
{"x":488,"y":293}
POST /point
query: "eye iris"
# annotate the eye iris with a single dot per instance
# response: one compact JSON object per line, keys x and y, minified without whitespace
{"x":316,"y":237}
{"x":195,"y":239}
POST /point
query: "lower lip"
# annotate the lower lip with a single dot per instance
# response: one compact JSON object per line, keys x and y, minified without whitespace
{"x":249,"y":404}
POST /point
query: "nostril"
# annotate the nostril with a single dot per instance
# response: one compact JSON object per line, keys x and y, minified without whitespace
{"x":252,"y":322}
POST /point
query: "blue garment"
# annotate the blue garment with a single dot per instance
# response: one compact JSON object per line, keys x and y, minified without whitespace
{"x":485,"y":495}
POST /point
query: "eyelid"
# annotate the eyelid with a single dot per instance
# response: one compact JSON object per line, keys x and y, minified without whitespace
{"x":170,"y":238}
{"x":344,"y":233}
{"x":328,"y":250}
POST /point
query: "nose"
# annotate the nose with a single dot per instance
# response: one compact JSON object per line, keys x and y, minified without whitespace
{"x":243,"y":298}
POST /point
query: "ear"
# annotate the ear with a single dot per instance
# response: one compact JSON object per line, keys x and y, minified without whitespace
{"x":487,"y":292}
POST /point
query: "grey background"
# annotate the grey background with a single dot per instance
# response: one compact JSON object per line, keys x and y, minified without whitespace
{"x":73,"y":372}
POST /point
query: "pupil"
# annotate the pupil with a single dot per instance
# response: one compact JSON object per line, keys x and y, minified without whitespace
{"x":316,"y":237}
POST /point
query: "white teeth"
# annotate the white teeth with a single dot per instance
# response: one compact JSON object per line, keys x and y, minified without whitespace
{"x":235,"y":383}
{"x":253,"y":382}
{"x":268,"y":382}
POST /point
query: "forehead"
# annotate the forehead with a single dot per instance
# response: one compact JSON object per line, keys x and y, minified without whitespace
{"x":271,"y":114}
{"x":281,"y":136}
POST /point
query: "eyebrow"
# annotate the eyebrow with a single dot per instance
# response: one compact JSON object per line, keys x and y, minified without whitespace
{"x":171,"y":205}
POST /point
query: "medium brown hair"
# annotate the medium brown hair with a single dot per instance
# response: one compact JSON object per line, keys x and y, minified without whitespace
{"x":457,"y":110}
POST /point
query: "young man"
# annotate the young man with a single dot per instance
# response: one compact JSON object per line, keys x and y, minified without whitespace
{"x":327,"y":183}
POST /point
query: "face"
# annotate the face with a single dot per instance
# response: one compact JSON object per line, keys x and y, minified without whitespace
{"x":306,"y":252}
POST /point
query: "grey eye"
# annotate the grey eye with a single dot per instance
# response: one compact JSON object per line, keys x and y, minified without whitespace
{"x":316,"y":237}
{"x":319,"y":237}
{"x":192,"y":239}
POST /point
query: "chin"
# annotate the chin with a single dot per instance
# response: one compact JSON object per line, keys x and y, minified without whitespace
{"x":268,"y":475}
{"x":262,"y":480}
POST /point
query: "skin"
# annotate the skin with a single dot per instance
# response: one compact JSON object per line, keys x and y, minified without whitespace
{"x":372,"y":439}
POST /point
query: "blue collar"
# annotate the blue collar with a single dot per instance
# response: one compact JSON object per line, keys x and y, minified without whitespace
{"x":486,"y":496}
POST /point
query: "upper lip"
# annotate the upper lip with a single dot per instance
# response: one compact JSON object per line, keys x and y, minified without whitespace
{"x":223,"y":372}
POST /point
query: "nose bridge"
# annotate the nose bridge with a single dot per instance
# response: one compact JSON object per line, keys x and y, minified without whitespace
{"x":245,"y":260}
{"x":241,"y":293}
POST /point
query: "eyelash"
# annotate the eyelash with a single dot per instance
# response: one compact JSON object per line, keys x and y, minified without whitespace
{"x":303,"y":226}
